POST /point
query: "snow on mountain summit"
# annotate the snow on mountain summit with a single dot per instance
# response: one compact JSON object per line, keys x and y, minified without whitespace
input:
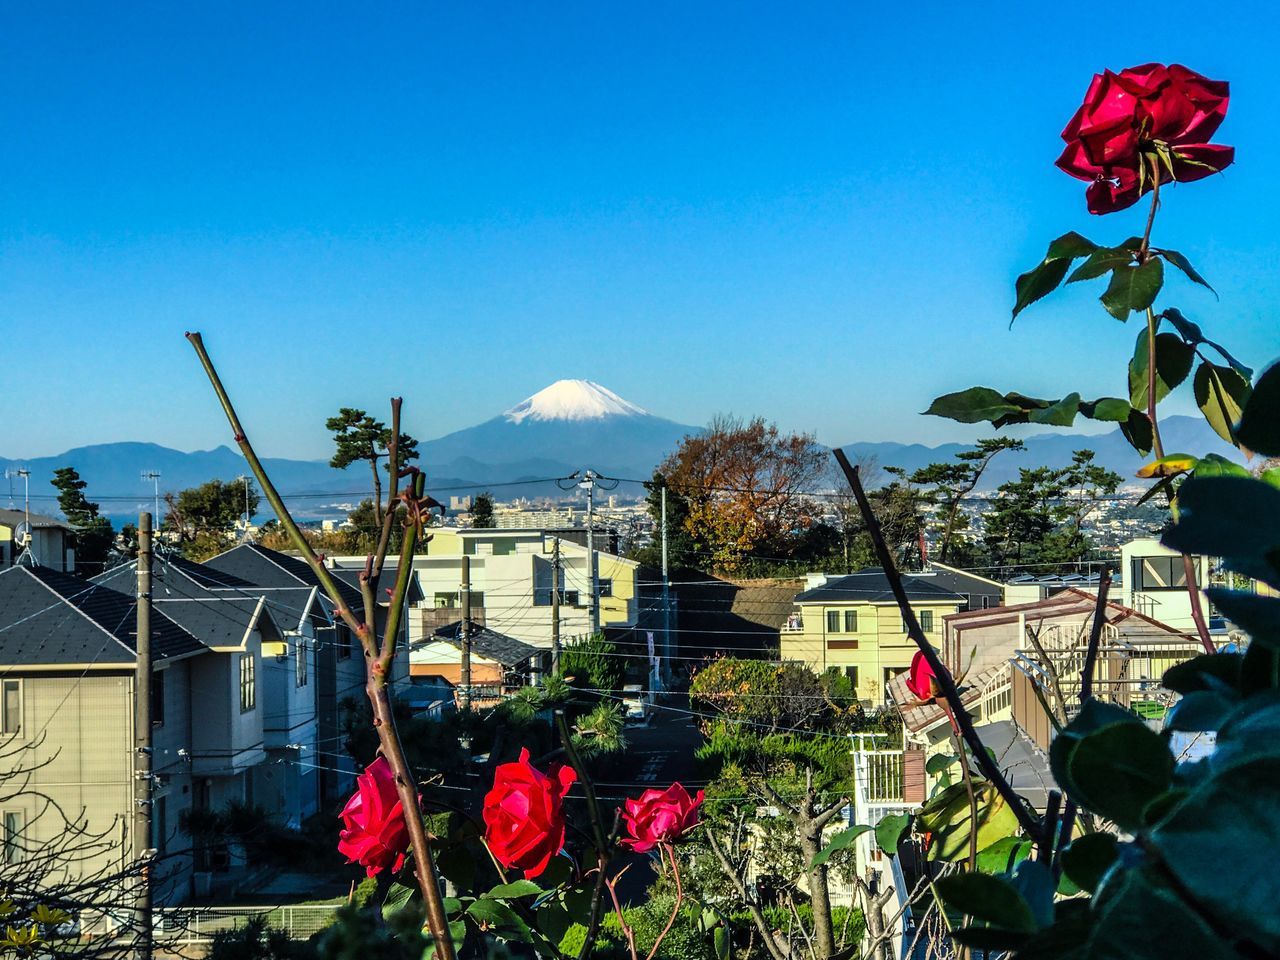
{"x":573,"y":400}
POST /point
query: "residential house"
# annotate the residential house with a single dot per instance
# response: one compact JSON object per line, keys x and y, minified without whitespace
{"x":1154,"y":582}
{"x":297,"y":600}
{"x":979,"y":592}
{"x":51,"y":542}
{"x":499,"y":664}
{"x":853,"y":624}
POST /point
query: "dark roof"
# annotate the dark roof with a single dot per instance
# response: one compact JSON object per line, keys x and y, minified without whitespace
{"x":11,"y":519}
{"x":52,"y":617}
{"x":872,"y":586}
{"x":490,"y":644}
{"x":269,"y":568}
{"x":218,"y":617}
{"x":351,"y":577}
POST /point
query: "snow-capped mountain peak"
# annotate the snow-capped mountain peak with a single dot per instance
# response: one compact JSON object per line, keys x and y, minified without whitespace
{"x":573,"y":400}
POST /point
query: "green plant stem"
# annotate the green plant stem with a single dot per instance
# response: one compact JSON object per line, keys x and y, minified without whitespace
{"x":376,"y":679}
{"x":942,"y":675}
{"x":1157,"y":448}
{"x":597,"y":833}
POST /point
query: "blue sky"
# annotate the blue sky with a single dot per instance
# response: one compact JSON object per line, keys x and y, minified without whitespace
{"x":812,"y":212}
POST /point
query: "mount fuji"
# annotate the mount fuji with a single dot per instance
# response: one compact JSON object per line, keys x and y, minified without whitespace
{"x":570,"y":425}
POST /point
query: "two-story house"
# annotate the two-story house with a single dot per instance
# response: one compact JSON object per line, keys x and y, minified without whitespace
{"x":852,"y":623}
{"x":50,"y":542}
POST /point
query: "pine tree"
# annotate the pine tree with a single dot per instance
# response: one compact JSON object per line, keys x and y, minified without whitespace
{"x":94,"y":534}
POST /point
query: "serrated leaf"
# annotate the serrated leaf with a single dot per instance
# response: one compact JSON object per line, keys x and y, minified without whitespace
{"x":1059,"y":414}
{"x":1259,"y":428}
{"x":1133,"y":288}
{"x":1047,"y":275}
{"x":975,"y":405}
{"x":515,"y":890}
{"x":1221,"y":394}
{"x":1110,"y":409}
{"x":1192,"y":333}
{"x":1183,"y":264}
{"x":1174,"y":358}
{"x":1103,"y":260}
{"x":1137,"y":430}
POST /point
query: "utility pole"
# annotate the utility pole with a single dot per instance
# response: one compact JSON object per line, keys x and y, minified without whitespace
{"x":154,"y":477}
{"x":589,"y":481}
{"x":555,"y":606}
{"x":143,"y":780}
{"x":464,"y":635}
{"x":666,"y":594}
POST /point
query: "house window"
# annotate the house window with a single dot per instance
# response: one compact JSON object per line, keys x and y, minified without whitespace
{"x":851,"y":621}
{"x":12,"y":836}
{"x":300,"y":668}
{"x":12,"y":706}
{"x":926,"y":621}
{"x":157,"y":698}
{"x":986,"y":602}
{"x":604,"y":586}
{"x":1159,"y":573}
{"x":248,"y":683}
{"x":345,"y":642}
{"x":833,"y":621}
{"x":852,"y":674}
{"x":569,"y":598}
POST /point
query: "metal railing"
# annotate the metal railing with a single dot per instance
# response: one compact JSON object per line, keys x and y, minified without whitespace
{"x":191,"y":926}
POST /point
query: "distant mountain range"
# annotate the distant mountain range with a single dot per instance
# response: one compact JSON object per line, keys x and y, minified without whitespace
{"x":570,"y":425}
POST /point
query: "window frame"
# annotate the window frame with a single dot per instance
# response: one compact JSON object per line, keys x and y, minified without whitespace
{"x":11,"y":852}
{"x":850,"y":621}
{"x":300,"y":665}
{"x":926,"y":621}
{"x":248,"y":682}
{"x":604,"y":586}
{"x":6,"y":726}
{"x":833,"y":621}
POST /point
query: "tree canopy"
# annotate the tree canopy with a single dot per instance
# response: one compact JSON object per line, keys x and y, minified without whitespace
{"x":94,"y":535}
{"x":359,"y":437}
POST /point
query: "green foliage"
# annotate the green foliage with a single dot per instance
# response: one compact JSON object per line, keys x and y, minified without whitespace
{"x":202,"y":517}
{"x":482,"y":510}
{"x":591,"y":663}
{"x":953,"y":481}
{"x":94,"y":535}
{"x":256,"y":941}
{"x":760,"y":697}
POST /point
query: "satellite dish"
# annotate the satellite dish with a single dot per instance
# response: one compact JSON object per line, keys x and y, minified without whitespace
{"x":22,"y":534}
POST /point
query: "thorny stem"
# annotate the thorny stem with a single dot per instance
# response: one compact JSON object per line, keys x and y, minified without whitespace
{"x":1197,"y":613}
{"x":942,"y":675}
{"x":1145,"y":247}
{"x":622,"y":920}
{"x":675,"y":911}
{"x":376,"y":679}
{"x":597,"y":833}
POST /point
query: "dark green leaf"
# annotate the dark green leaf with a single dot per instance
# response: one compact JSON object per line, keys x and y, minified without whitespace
{"x":456,"y":864}
{"x":1034,"y":881}
{"x":1088,"y":858}
{"x":1003,"y":855}
{"x":1221,"y":394}
{"x":1137,"y":430}
{"x":1046,"y":276}
{"x":1192,"y":333}
{"x":1183,"y":264}
{"x":1256,"y":613}
{"x":1133,"y":288}
{"x":1118,"y":770}
{"x":839,"y":842}
{"x":1165,"y":486}
{"x":720,"y":942}
{"x":1110,"y":409}
{"x":972,"y":406}
{"x":939,"y":762}
{"x":1200,"y":710}
{"x":1173,"y":363}
{"x":1230,"y":819}
{"x":889,"y":831}
{"x":514,"y":890}
{"x":1259,"y":428}
{"x":1213,"y":465}
{"x":1235,"y":518}
{"x":1098,"y":715}
{"x":1059,"y":414}
{"x":1136,"y":910}
{"x":398,"y":895}
{"x":499,"y":919}
{"x":1209,"y":671}
{"x":1103,"y":260}
{"x":991,"y":900}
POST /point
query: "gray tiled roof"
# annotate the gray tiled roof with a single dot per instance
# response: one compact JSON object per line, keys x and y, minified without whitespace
{"x":48,"y":617}
{"x":490,"y":644}
{"x":872,"y":586}
{"x":269,"y":568}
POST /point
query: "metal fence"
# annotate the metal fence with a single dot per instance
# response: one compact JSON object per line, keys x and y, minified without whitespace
{"x":189,"y":926}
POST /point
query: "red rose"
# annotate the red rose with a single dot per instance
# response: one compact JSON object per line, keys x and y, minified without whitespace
{"x":523,"y":819}
{"x":1142,"y":113}
{"x":920,"y":678}
{"x":374,"y":832}
{"x":660,"y":816}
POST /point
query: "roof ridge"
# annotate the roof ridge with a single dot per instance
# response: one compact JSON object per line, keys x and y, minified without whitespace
{"x":92,"y":586}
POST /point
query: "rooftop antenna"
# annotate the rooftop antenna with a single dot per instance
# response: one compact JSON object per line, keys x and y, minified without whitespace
{"x":22,"y":536}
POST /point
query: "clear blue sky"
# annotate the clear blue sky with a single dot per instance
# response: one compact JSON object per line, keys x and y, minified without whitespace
{"x":807,"y":211}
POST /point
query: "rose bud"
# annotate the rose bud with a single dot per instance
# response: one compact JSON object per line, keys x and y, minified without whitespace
{"x":523,"y":815}
{"x":920,"y":678}
{"x":660,"y":816}
{"x":374,"y":832}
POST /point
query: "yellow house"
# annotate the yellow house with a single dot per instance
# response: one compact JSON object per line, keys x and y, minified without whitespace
{"x":853,"y":624}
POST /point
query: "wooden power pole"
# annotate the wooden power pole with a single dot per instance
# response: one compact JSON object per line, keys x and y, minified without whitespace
{"x":555,"y":607}
{"x":464,"y":635}
{"x":143,"y":780}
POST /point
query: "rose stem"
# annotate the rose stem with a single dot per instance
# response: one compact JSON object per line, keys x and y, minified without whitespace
{"x":675,"y":911}
{"x":375,"y":665}
{"x":597,"y":833}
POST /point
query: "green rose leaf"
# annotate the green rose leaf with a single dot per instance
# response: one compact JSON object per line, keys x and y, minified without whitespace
{"x":1111,"y":409}
{"x":1221,"y":394}
{"x":515,"y":890}
{"x":840,"y":841}
{"x":1003,"y":855}
{"x":1045,"y":277}
{"x":1173,"y":363}
{"x":889,"y":831}
{"x":939,"y":762}
{"x":1235,"y":518}
{"x":1133,"y":288}
{"x":1259,"y":428}
{"x":496,"y":917}
{"x":1213,"y":465}
{"x":1120,"y":769}
{"x":1183,"y":264}
{"x":975,"y":405}
{"x":1137,"y":430}
{"x":991,"y":900}
{"x":1088,"y":858}
{"x":1192,"y":333}
{"x":1059,"y":414}
{"x":1103,"y":260}
{"x":398,"y":896}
